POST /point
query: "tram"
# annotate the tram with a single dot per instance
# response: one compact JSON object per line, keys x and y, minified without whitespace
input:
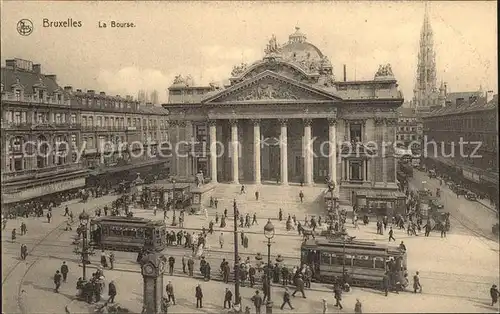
{"x":365,"y":263}
{"x":129,"y":234}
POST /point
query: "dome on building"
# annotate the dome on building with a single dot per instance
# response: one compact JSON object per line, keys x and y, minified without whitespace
{"x":297,"y":48}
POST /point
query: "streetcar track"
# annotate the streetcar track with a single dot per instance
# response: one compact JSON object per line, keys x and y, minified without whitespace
{"x":37,"y":244}
{"x":20,"y":304}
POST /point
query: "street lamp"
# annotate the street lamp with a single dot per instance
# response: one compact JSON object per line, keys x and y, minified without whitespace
{"x":269,"y":234}
{"x":84,"y":220}
{"x":174,"y":200}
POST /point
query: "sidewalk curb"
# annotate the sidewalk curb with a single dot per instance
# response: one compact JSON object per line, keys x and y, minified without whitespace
{"x":199,"y":278}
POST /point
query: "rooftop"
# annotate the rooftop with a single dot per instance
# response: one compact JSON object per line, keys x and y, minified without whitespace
{"x":478,"y":105}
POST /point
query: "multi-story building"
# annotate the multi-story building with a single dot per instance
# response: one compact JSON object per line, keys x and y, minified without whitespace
{"x":409,"y":129}
{"x":466,"y":135}
{"x":52,"y":136}
{"x":283,"y":112}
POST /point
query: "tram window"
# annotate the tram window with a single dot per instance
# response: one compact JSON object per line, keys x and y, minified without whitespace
{"x":115,"y":231}
{"x":157,"y":232}
{"x":140,"y":233}
{"x":379,"y":263}
{"x":105,"y":230}
{"x":325,"y":258}
{"x":362,"y":261}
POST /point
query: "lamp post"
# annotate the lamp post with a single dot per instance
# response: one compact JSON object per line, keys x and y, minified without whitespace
{"x":174,"y":200}
{"x":84,"y":220}
{"x":269,"y":233}
{"x":237,"y":297}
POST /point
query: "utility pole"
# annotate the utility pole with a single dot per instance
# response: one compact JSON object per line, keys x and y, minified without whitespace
{"x":237,"y":297}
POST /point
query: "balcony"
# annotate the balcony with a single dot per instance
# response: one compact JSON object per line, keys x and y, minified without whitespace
{"x":38,"y":172}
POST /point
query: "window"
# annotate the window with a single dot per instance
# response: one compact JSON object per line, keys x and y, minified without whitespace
{"x":17,"y":117}
{"x":73,"y":118}
{"x":8,"y":116}
{"x":91,"y":121}
{"x":23,"y":116}
{"x":18,"y":95}
{"x":73,"y":139}
{"x":363,"y":261}
{"x":99,"y":121}
{"x":106,"y":121}
{"x":356,"y":170}
{"x":326,"y":258}
{"x":90,"y":142}
{"x":129,"y":122}
{"x":355,"y":132}
{"x":58,"y":118}
{"x":84,"y":121}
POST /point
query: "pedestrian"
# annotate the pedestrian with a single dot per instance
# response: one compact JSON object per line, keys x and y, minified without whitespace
{"x":402,"y":246}
{"x":111,"y":260}
{"x":299,"y":286}
{"x":257,"y":301}
{"x":221,"y":239}
{"x":199,"y":297}
{"x":24,"y":251}
{"x":357,"y":307}
{"x":111,"y":292}
{"x":64,"y":271}
{"x":286,"y":299}
{"x":443,"y":229}
{"x":280,"y":215}
{"x":228,"y":297}
{"x":256,"y":195}
{"x":385,"y":283}
{"x":416,"y":283}
{"x":242,"y":190}
{"x":301,"y":196}
{"x":391,"y":235}
{"x":254,"y":220}
{"x":104,"y":262}
{"x":171,"y":263}
{"x":57,"y":281}
{"x":190,"y":267}
{"x":325,"y":306}
{"x":338,"y":296}
{"x":494,"y":294}
{"x":170,"y":292}
{"x":13,"y":235}
{"x":183,"y":264}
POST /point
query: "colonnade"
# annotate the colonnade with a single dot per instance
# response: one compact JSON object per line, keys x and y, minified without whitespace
{"x":307,"y":150}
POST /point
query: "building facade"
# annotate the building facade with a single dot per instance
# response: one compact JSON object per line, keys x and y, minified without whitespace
{"x":276,"y":119}
{"x":409,"y":128}
{"x":55,"y":139}
{"x":475,"y":123}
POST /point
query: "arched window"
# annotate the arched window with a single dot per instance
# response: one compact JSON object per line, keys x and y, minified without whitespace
{"x":43,"y":152}
{"x":15,"y":152}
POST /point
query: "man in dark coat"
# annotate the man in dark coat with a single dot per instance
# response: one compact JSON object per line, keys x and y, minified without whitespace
{"x":170,"y":292}
{"x":184,"y":264}
{"x":286,"y":299}
{"x":111,"y":292}
{"x":64,"y":271}
{"x":257,"y":301}
{"x":337,"y":291}
{"x":251,"y":275}
{"x":228,"y":297}
{"x":385,"y":283}
{"x":391,"y":235}
{"x":299,"y":286}
{"x":171,"y":263}
{"x":57,"y":280}
{"x":190,"y":264}
{"x":416,"y":283}
{"x":494,"y":294}
{"x":199,"y":297}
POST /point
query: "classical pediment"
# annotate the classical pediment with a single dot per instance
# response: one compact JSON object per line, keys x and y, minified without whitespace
{"x":269,"y":86}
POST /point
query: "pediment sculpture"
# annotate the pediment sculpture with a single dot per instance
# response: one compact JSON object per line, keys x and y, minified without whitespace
{"x":384,"y":70}
{"x":267,"y":91}
{"x":272,"y":46}
{"x":238,"y":69}
{"x":179,"y":79}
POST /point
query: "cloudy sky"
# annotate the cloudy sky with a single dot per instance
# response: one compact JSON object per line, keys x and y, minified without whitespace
{"x":206,"y":39}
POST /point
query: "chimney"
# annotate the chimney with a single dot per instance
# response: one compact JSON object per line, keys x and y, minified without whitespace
{"x":445,"y":89}
{"x":78,"y":90}
{"x":459,"y":102}
{"x":37,"y":68}
{"x":489,"y":96}
{"x":69,"y":89}
{"x":102,"y":93}
{"x":345,"y":73}
{"x":52,"y":77}
{"x":11,"y":63}
{"x":472,"y":99}
{"x":91,"y":91}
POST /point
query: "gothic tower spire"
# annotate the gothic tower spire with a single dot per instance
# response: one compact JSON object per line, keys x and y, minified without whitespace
{"x":425,"y":91}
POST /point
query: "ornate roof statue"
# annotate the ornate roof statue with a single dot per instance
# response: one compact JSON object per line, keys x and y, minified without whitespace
{"x":272,"y":46}
{"x":384,"y":71}
{"x":189,"y":81}
{"x":238,"y":69}
{"x":179,"y":79}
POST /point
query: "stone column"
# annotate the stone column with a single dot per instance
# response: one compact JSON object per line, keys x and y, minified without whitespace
{"x":332,"y":149}
{"x":284,"y":151}
{"x":384,"y":153}
{"x":308,"y":158}
{"x":235,"y":149}
{"x":213,"y":150}
{"x":256,"y":151}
